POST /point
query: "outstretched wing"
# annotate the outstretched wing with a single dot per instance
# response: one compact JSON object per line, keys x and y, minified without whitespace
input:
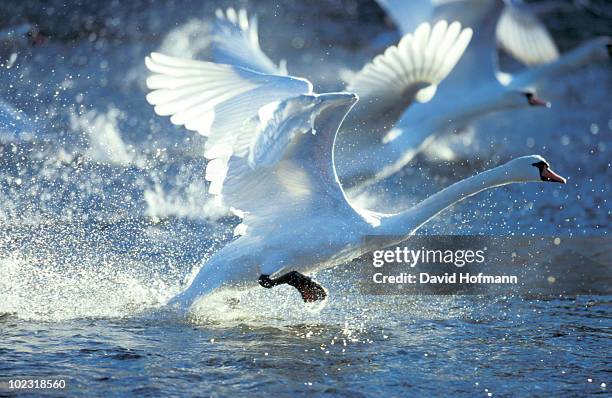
{"x":478,"y":65}
{"x":287,"y":165}
{"x":213,"y":99}
{"x":236,"y":42}
{"x":412,"y":69}
{"x":521,"y":34}
{"x":517,"y":30}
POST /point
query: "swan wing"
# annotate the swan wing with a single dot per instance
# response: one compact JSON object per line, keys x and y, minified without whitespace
{"x":214,"y":99}
{"x":413,"y":68}
{"x":479,"y":64}
{"x":522,"y":35}
{"x":286,"y":167}
{"x":236,"y":42}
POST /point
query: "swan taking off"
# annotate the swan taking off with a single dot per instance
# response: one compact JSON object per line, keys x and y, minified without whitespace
{"x":275,"y":169}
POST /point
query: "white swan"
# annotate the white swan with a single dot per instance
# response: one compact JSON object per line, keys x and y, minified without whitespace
{"x":276,"y":170}
{"x":474,"y":88}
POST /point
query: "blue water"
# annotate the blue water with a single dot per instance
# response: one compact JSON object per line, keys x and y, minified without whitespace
{"x":104,"y":216}
{"x":454,"y":347}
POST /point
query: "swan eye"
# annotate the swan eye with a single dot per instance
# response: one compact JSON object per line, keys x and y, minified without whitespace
{"x":530,"y":98}
{"x":541,"y":165}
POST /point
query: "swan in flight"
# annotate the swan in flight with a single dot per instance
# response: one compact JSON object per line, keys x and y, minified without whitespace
{"x":275,"y":169}
{"x":405,"y":73}
{"x":474,"y":88}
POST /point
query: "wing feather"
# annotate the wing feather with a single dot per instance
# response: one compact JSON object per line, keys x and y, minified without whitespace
{"x":412,"y":69}
{"x":284,"y":165}
{"x":522,"y":35}
{"x":236,"y":42}
{"x":213,"y":99}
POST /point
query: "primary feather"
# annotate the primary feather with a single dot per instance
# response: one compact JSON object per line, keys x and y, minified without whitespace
{"x":522,"y":35}
{"x":413,"y":68}
{"x":214,"y":100}
{"x":236,"y":42}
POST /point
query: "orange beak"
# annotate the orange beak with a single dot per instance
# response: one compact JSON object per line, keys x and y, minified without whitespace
{"x":549,"y":175}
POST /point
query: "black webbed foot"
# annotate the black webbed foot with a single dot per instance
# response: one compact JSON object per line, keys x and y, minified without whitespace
{"x":310,"y":290}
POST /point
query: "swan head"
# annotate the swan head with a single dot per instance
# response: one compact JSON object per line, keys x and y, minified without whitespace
{"x":532,"y":168}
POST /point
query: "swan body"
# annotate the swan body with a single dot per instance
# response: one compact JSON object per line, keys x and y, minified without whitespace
{"x":277,"y":172}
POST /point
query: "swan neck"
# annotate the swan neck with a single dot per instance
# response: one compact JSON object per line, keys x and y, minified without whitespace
{"x":407,"y":222}
{"x":486,"y":102}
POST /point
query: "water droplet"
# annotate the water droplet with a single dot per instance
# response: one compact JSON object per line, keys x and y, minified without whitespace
{"x":565,"y":140}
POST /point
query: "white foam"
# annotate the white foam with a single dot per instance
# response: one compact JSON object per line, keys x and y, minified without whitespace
{"x":32,"y":289}
{"x":193,"y":202}
{"x":105,"y":142}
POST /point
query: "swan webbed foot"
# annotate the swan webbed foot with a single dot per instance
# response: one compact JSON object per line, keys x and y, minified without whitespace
{"x":309,"y":290}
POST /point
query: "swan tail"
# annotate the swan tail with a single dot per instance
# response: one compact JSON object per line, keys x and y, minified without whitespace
{"x":412,"y":69}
